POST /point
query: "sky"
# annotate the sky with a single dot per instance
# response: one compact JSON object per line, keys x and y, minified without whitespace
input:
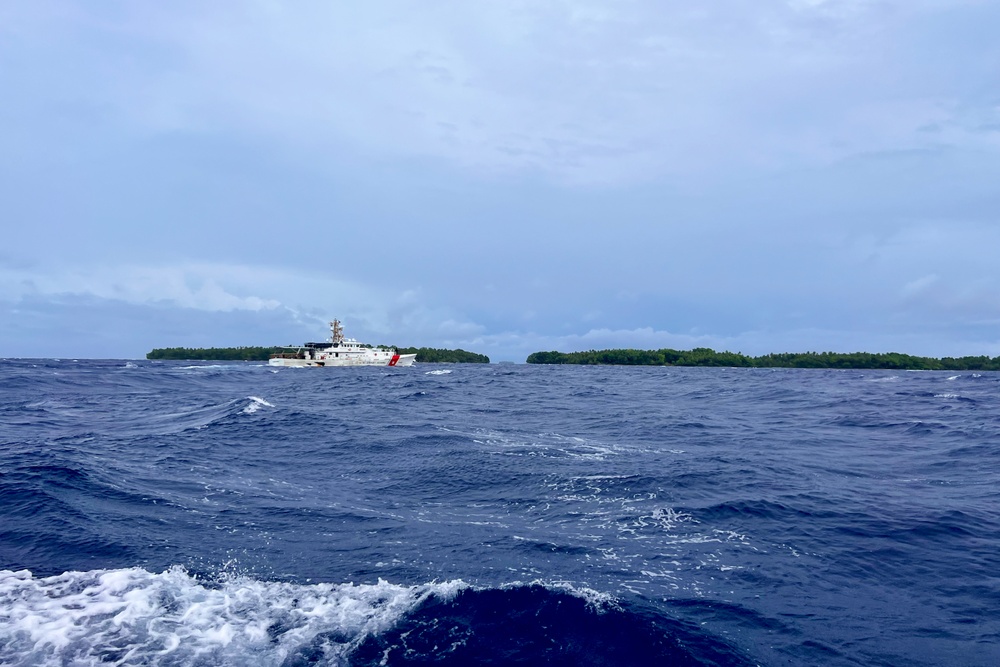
{"x":502,"y":177}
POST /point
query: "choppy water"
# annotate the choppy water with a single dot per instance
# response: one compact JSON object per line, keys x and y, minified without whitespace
{"x":179,"y":514}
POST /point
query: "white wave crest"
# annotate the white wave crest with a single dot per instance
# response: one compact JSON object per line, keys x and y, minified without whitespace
{"x":132,"y":616}
{"x":256,"y":403}
{"x":438,"y":372}
{"x":598,"y":601}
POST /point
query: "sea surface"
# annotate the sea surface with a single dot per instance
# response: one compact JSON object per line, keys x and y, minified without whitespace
{"x":172,"y":513}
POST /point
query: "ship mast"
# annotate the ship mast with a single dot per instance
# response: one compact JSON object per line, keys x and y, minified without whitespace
{"x":336,"y":332}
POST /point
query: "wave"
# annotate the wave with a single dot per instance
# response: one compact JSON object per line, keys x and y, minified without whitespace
{"x":136,"y":617}
{"x":132,"y":616}
{"x":192,"y":418}
{"x":256,"y":403}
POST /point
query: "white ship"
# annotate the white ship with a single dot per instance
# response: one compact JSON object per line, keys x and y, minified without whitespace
{"x":340,"y":351}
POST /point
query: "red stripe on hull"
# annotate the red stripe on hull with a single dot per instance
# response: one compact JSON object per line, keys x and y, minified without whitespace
{"x":395,"y":358}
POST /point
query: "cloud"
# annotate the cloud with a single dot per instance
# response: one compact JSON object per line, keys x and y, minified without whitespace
{"x":200,"y":287}
{"x":576,"y":93}
{"x":521,"y":175}
{"x":305,"y":300}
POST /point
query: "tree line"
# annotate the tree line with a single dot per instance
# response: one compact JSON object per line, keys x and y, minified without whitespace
{"x":248,"y":353}
{"x":252,"y":353}
{"x":436,"y":355}
{"x":704,"y":356}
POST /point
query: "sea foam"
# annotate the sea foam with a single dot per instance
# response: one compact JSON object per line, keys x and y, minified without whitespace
{"x":132,"y":616}
{"x":256,"y":403}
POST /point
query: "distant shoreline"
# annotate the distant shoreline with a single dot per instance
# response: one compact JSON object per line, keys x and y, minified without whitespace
{"x":704,"y":356}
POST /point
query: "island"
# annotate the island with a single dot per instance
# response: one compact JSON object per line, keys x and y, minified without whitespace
{"x":435,"y":355}
{"x":248,"y":353}
{"x":704,"y":356}
{"x":252,"y":353}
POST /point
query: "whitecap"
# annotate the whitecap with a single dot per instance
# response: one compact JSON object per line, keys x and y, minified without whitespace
{"x":256,"y":403}
{"x":438,"y":372}
{"x":83,"y":618}
{"x":597,"y":600}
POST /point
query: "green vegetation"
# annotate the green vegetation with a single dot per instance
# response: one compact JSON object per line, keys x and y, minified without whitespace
{"x":434,"y":355}
{"x":703,"y":356}
{"x":424,"y":354}
{"x":214,"y":353}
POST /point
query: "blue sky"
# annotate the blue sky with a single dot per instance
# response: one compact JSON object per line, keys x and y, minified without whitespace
{"x":506,"y":177}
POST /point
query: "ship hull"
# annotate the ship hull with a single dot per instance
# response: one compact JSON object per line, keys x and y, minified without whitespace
{"x":330,"y":361}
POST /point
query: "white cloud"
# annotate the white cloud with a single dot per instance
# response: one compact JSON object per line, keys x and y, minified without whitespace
{"x":202,"y":287}
{"x":311,"y":298}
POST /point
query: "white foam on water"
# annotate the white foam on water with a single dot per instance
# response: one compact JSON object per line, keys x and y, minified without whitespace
{"x":597,"y":600}
{"x":439,"y":372}
{"x":596,"y":478}
{"x":256,"y":403}
{"x":954,"y":377}
{"x":129,"y":364}
{"x":548,"y":445}
{"x":946,"y":396}
{"x":132,"y":616}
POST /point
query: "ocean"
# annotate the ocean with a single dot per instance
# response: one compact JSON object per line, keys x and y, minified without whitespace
{"x":176,"y":513}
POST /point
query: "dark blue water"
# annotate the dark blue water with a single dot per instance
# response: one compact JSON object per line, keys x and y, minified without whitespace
{"x":176,"y":514}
